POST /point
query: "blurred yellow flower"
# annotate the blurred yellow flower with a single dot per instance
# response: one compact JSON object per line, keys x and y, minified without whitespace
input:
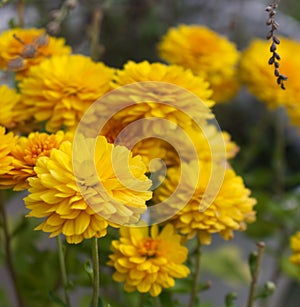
{"x":295,"y":247}
{"x":21,"y":49}
{"x":60,"y":89}
{"x":7,"y":143}
{"x":148,"y":262}
{"x":206,"y":53}
{"x":55,"y":194}
{"x":9,"y":101}
{"x":231,"y":208}
{"x":259,"y":77}
{"x":24,"y":155}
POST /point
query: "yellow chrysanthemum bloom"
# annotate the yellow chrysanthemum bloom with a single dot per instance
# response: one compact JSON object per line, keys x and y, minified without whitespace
{"x":55,"y":194}
{"x":60,"y":89}
{"x":259,"y":77}
{"x":144,"y":71}
{"x":156,"y":96}
{"x":209,"y":144}
{"x":9,"y":101}
{"x":21,"y":49}
{"x":206,"y":53}
{"x":295,"y":247}
{"x":7,"y":143}
{"x":25,"y":154}
{"x":230,"y":210}
{"x":148,"y":262}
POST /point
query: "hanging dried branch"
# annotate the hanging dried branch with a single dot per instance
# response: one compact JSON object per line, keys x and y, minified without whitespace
{"x":275,"y":58}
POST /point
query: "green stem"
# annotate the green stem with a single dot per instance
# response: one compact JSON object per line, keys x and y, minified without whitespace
{"x":251,"y":297}
{"x":96,"y":277}
{"x":62,"y":264}
{"x":194,"y":293}
{"x":8,"y":251}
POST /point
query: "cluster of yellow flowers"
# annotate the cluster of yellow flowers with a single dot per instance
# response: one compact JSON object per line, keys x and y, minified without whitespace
{"x":55,"y":89}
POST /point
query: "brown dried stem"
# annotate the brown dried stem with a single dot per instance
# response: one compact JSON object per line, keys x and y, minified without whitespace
{"x":54,"y":26}
{"x":275,"y":58}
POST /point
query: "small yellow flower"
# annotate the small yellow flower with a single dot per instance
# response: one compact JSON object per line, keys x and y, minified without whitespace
{"x":230,"y":209}
{"x":259,"y":77}
{"x":295,"y":247}
{"x":148,"y":262}
{"x":9,"y":101}
{"x":76,"y":206}
{"x":7,"y":143}
{"x":60,"y":89}
{"x":21,"y":49}
{"x":24,"y":155}
{"x":206,"y":53}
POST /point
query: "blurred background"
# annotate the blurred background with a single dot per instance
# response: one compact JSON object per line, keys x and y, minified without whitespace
{"x":115,"y":31}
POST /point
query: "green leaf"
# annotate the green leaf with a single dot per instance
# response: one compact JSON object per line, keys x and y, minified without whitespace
{"x":55,"y":299}
{"x":89,"y":269}
{"x":267,"y":290}
{"x":230,"y":298}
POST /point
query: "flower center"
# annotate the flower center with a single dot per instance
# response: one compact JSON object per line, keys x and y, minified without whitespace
{"x":37,"y":148}
{"x":149,"y":248}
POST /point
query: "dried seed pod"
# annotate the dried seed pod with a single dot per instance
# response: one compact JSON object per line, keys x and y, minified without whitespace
{"x":273,"y":47}
{"x":271,"y":60}
{"x":277,"y":56}
{"x":269,"y":22}
{"x":16,"y":64}
{"x":269,"y":35}
{"x":269,"y":8}
{"x":276,"y":40}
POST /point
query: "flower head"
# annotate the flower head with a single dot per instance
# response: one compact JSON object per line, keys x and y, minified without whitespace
{"x":295,"y":247}
{"x":152,"y":91}
{"x":24,"y":156}
{"x":144,"y":71}
{"x":7,"y":143}
{"x":21,"y":49}
{"x":148,"y":262}
{"x":206,"y":53}
{"x":60,"y":89}
{"x":56,"y":196}
{"x":230,"y":209}
{"x":259,"y":77}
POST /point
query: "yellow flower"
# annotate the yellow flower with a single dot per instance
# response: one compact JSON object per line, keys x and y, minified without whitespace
{"x":151,"y":91}
{"x":145,"y":71}
{"x":60,"y":89}
{"x":77,"y":206}
{"x":206,"y":53}
{"x":148,"y":262}
{"x":24,"y":156}
{"x":9,"y":101}
{"x":22,"y":48}
{"x":295,"y":247}
{"x":260,"y":80}
{"x":209,"y":144}
{"x":231,"y":208}
{"x":7,"y":143}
